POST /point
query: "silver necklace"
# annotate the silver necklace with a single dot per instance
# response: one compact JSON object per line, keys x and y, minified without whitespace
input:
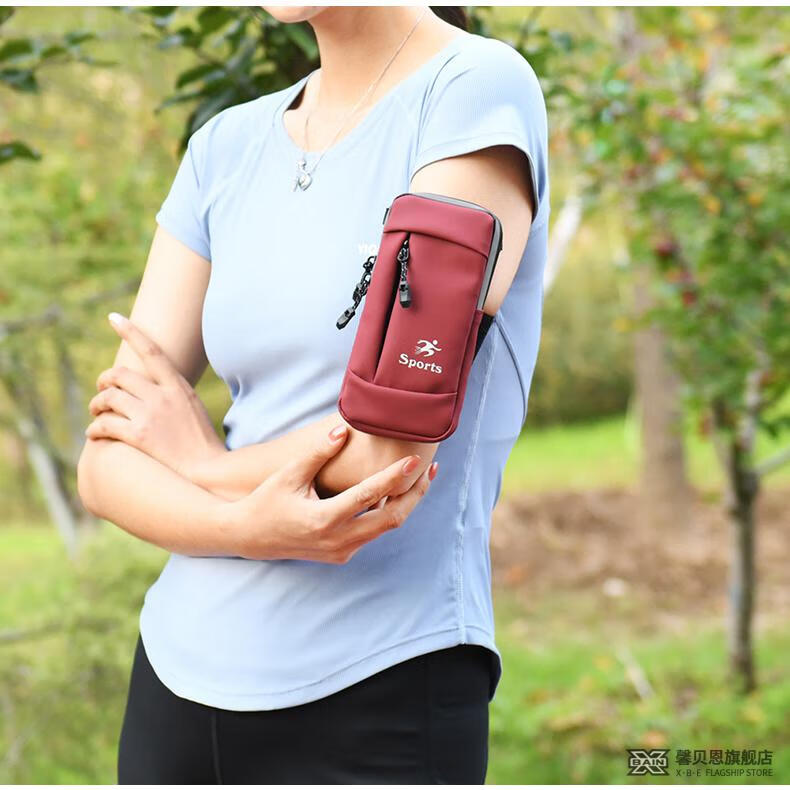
{"x":304,"y":177}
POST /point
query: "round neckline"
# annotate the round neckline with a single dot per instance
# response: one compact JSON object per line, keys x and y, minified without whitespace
{"x":349,"y":137}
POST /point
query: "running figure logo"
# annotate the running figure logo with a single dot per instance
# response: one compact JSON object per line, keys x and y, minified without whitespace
{"x":427,"y":348}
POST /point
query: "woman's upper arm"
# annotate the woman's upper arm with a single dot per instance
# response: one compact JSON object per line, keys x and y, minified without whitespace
{"x":497,"y":178}
{"x":483,"y":137}
{"x":169,"y":305}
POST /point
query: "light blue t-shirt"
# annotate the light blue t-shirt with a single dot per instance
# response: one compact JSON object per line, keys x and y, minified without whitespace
{"x":255,"y":635}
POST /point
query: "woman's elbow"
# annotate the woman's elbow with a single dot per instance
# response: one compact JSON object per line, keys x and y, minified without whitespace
{"x":377,"y":453}
{"x":86,"y":466}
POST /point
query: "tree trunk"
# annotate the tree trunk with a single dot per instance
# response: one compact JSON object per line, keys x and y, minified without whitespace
{"x":664,"y":487}
{"x":21,"y":474}
{"x":742,"y":490}
{"x":563,"y":232}
{"x":50,"y":470}
{"x":743,"y":486}
{"x":73,"y":401}
{"x":75,"y":415}
{"x":52,"y":485}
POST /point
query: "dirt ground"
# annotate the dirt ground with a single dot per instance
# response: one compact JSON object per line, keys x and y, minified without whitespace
{"x":596,"y":542}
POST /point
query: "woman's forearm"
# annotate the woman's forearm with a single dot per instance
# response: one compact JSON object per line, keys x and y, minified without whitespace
{"x":234,"y":473}
{"x":147,"y":499}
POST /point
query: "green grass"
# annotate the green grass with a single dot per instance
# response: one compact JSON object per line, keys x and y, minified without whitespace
{"x":565,"y":710}
{"x":62,"y":690}
{"x":605,"y":453}
{"x":24,"y":554}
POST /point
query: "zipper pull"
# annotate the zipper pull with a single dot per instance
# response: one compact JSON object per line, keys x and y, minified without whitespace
{"x":404,"y":292}
{"x":348,"y":314}
{"x":360,"y":289}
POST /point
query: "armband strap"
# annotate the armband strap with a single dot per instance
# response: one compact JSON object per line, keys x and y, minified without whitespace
{"x":423,"y":322}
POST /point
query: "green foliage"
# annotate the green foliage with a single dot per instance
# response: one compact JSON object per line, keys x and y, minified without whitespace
{"x":547,"y":48}
{"x":20,"y":61}
{"x":238,"y":55}
{"x":17,"y":150}
{"x":687,"y":124}
{"x":584,"y":366}
{"x":79,"y":223}
{"x":67,"y":687}
{"x":81,"y":220}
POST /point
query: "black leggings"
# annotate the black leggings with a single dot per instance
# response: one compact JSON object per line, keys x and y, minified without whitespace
{"x":422,"y":721}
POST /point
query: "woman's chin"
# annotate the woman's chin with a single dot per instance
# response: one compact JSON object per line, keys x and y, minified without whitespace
{"x":293,"y":13}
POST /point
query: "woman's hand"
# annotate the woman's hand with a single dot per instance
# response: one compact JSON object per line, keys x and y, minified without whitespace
{"x":159,"y":414}
{"x":284,"y":518}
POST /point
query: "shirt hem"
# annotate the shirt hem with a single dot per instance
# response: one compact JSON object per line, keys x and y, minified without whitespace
{"x":337,"y":681}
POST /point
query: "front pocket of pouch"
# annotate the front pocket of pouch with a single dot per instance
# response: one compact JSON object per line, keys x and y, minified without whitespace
{"x":425,"y":344}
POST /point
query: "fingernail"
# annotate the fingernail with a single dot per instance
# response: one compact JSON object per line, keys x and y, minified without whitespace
{"x":337,"y":432}
{"x":411,"y":464}
{"x":116,"y":318}
{"x":434,"y":468}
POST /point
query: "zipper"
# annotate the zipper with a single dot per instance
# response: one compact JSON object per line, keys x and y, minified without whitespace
{"x":404,"y":253}
{"x":496,"y":241}
{"x":404,"y":291}
{"x":360,"y":289}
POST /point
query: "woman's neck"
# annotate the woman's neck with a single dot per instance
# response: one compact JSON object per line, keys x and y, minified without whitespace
{"x":355,"y":44}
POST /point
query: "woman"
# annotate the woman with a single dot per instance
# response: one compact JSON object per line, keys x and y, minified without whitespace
{"x":288,"y":640}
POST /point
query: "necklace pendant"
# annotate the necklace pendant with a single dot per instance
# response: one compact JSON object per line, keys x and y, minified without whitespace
{"x":303,"y":178}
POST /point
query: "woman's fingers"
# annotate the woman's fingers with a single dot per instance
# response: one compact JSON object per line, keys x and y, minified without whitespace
{"x":303,"y":470}
{"x":367,"y":493}
{"x":395,"y":511}
{"x":114,"y":399}
{"x":112,"y":426}
{"x":151,"y":354}
{"x":126,"y":379}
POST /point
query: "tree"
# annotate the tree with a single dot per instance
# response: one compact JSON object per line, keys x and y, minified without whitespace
{"x":664,"y":487}
{"x":239,"y":53}
{"x":22,"y":58}
{"x":694,"y":130}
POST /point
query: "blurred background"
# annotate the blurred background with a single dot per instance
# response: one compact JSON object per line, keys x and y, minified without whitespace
{"x":641,"y":547}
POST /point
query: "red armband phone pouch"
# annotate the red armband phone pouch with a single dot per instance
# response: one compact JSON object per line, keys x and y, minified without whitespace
{"x":422,"y":320}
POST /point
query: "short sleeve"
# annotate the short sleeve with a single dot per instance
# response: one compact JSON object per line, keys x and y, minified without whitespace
{"x":487,"y":95}
{"x":182,"y":213}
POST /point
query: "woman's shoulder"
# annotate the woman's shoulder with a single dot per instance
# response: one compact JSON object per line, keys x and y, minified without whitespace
{"x":482,"y":64}
{"x":238,"y":124}
{"x":492,"y":56}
